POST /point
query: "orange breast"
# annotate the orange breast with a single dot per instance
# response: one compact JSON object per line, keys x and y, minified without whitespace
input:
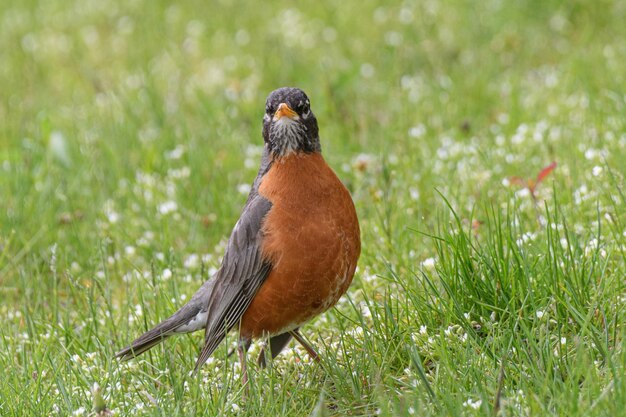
{"x":312,"y":236}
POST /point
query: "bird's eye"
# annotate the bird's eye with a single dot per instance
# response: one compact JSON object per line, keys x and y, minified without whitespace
{"x":306,"y":109}
{"x":268,"y":109}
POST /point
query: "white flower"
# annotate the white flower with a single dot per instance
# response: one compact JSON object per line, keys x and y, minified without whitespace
{"x":367,"y":277}
{"x":539,"y":314}
{"x":112,"y":216}
{"x":110,"y":213}
{"x":244,"y":188}
{"x":393,"y":38}
{"x":428,"y":263}
{"x":522,"y":193}
{"x":367,"y":70}
{"x":75,"y":267}
{"x":591,"y":247}
{"x":175,"y":153}
{"x":183,"y":172}
{"x":167,"y":274}
{"x":168,"y":207}
{"x":472,"y":404}
{"x":417,"y":131}
{"x":79,"y":412}
{"x":192,"y":261}
{"x":597,"y":170}
{"x":363,"y":161}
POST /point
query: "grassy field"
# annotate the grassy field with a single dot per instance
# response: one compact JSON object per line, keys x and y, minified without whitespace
{"x":131,"y":130}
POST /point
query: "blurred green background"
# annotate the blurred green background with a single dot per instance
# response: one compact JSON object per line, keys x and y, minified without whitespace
{"x":131,"y":130}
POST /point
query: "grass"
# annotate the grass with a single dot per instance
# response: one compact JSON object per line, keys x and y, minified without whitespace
{"x":129,"y":132}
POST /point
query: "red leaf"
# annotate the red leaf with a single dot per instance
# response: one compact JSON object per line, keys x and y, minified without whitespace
{"x":518,"y":181}
{"x":544,"y":172}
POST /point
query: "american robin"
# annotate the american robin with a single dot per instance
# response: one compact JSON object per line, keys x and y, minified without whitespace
{"x":292,"y":253}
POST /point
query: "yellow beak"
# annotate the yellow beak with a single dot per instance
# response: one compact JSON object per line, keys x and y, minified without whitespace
{"x":285,"y":110}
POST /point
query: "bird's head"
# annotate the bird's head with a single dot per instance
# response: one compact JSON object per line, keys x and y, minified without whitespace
{"x":289,"y":125}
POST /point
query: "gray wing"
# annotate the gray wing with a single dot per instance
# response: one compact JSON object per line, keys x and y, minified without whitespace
{"x":223,"y":299}
{"x":242,"y":273}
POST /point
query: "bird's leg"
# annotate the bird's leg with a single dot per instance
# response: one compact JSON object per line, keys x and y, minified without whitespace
{"x":296,"y":335}
{"x":242,"y":348}
{"x":247,"y":344}
{"x":265,"y":350}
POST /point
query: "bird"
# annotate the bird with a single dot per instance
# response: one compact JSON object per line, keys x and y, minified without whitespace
{"x":291,"y":255}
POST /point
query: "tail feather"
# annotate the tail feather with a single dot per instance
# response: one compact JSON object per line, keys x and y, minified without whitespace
{"x":162,"y":331}
{"x":137,"y":348}
{"x":277,"y":344}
